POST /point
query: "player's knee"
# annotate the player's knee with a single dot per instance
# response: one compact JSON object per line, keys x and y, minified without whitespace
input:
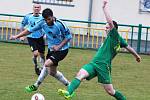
{"x":80,"y":78}
{"x":110,"y":92}
{"x":35,"y":53}
{"x":109,"y":89}
{"x":48,"y":63}
{"x":81,"y":75}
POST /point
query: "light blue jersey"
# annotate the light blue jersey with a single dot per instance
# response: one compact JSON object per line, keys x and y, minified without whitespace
{"x":55,"y":33}
{"x":30,"y":21}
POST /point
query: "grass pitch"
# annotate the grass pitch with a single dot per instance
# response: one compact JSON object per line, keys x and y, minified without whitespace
{"x":17,"y":71}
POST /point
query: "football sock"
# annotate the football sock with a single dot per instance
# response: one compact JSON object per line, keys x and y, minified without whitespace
{"x":59,"y":76}
{"x":119,"y":96}
{"x":42,"y":76}
{"x":73,"y":85}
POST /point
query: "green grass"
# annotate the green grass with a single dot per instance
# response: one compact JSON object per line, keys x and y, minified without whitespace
{"x":17,"y":71}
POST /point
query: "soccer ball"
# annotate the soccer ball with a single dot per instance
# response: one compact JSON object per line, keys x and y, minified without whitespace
{"x":37,"y":96}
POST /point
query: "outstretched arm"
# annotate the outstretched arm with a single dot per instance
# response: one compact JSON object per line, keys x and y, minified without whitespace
{"x":107,"y":16}
{"x":22,"y":38}
{"x":23,"y":33}
{"x":133,"y":52}
{"x":28,"y":31}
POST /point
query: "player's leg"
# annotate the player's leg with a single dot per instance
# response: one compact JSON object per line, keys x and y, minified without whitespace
{"x":41,"y":60}
{"x":86,"y":72}
{"x":50,"y":67}
{"x":34,"y":58}
{"x":104,"y":77}
{"x":41,"y":50}
{"x":81,"y":75}
{"x":45,"y":69}
{"x":58,"y":75}
{"x":55,"y":58}
{"x":32,"y":43}
{"x":43,"y":74}
{"x":69,"y":93}
{"x":111,"y":91}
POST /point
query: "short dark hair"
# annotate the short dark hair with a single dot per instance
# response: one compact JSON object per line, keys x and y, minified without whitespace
{"x":47,"y":13}
{"x":115,"y":24}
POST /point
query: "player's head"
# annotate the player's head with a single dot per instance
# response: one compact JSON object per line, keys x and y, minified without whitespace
{"x":115,"y":25}
{"x":48,"y":16}
{"x":36,"y":8}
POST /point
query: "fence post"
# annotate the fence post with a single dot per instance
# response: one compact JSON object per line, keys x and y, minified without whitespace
{"x":139,"y":38}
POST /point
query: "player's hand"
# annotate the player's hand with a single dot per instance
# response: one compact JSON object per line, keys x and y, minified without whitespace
{"x":138,"y":59}
{"x":13,"y":37}
{"x":22,"y":38}
{"x":104,"y":3}
{"x":56,"y":47}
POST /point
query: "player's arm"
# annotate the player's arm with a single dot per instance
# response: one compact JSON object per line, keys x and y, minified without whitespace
{"x":107,"y":16}
{"x":24,"y":22}
{"x":21,"y":34}
{"x":63,"y":43}
{"x":57,"y":47}
{"x":24,"y":37}
{"x":134,"y":53}
{"x":67,"y":37}
{"x":27,"y":31}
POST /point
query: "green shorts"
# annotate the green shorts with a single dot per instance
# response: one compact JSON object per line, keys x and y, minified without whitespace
{"x":102,"y":72}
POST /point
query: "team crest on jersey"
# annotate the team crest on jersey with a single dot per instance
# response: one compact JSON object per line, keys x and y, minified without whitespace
{"x":117,"y":47}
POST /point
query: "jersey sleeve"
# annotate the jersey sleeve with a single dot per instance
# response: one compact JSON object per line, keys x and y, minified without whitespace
{"x":24,"y":22}
{"x":114,"y":34}
{"x":65,"y":31}
{"x":37,"y":27}
{"x":67,"y":34}
{"x":123,"y":43}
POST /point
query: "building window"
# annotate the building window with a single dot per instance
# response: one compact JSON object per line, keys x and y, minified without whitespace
{"x":144,"y":5}
{"x":56,"y":2}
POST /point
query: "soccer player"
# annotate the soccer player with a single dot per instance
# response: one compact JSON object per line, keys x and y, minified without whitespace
{"x":100,"y":65}
{"x":58,"y":35}
{"x":35,"y":39}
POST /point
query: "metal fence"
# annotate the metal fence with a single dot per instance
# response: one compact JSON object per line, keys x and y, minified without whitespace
{"x":83,"y":36}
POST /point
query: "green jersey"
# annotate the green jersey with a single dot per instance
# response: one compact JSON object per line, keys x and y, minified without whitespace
{"x":109,"y":48}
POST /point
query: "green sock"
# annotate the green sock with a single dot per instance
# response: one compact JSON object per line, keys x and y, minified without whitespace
{"x":119,"y":96}
{"x":73,"y":85}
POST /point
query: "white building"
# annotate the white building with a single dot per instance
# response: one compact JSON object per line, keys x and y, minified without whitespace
{"x":123,"y":11}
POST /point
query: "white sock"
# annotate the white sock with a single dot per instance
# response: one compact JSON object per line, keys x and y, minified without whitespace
{"x":59,"y":76}
{"x":42,"y":76}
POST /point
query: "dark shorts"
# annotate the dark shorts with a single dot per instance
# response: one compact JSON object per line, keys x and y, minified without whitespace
{"x":37,"y":44}
{"x":56,"y":56}
{"x":102,"y":72}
